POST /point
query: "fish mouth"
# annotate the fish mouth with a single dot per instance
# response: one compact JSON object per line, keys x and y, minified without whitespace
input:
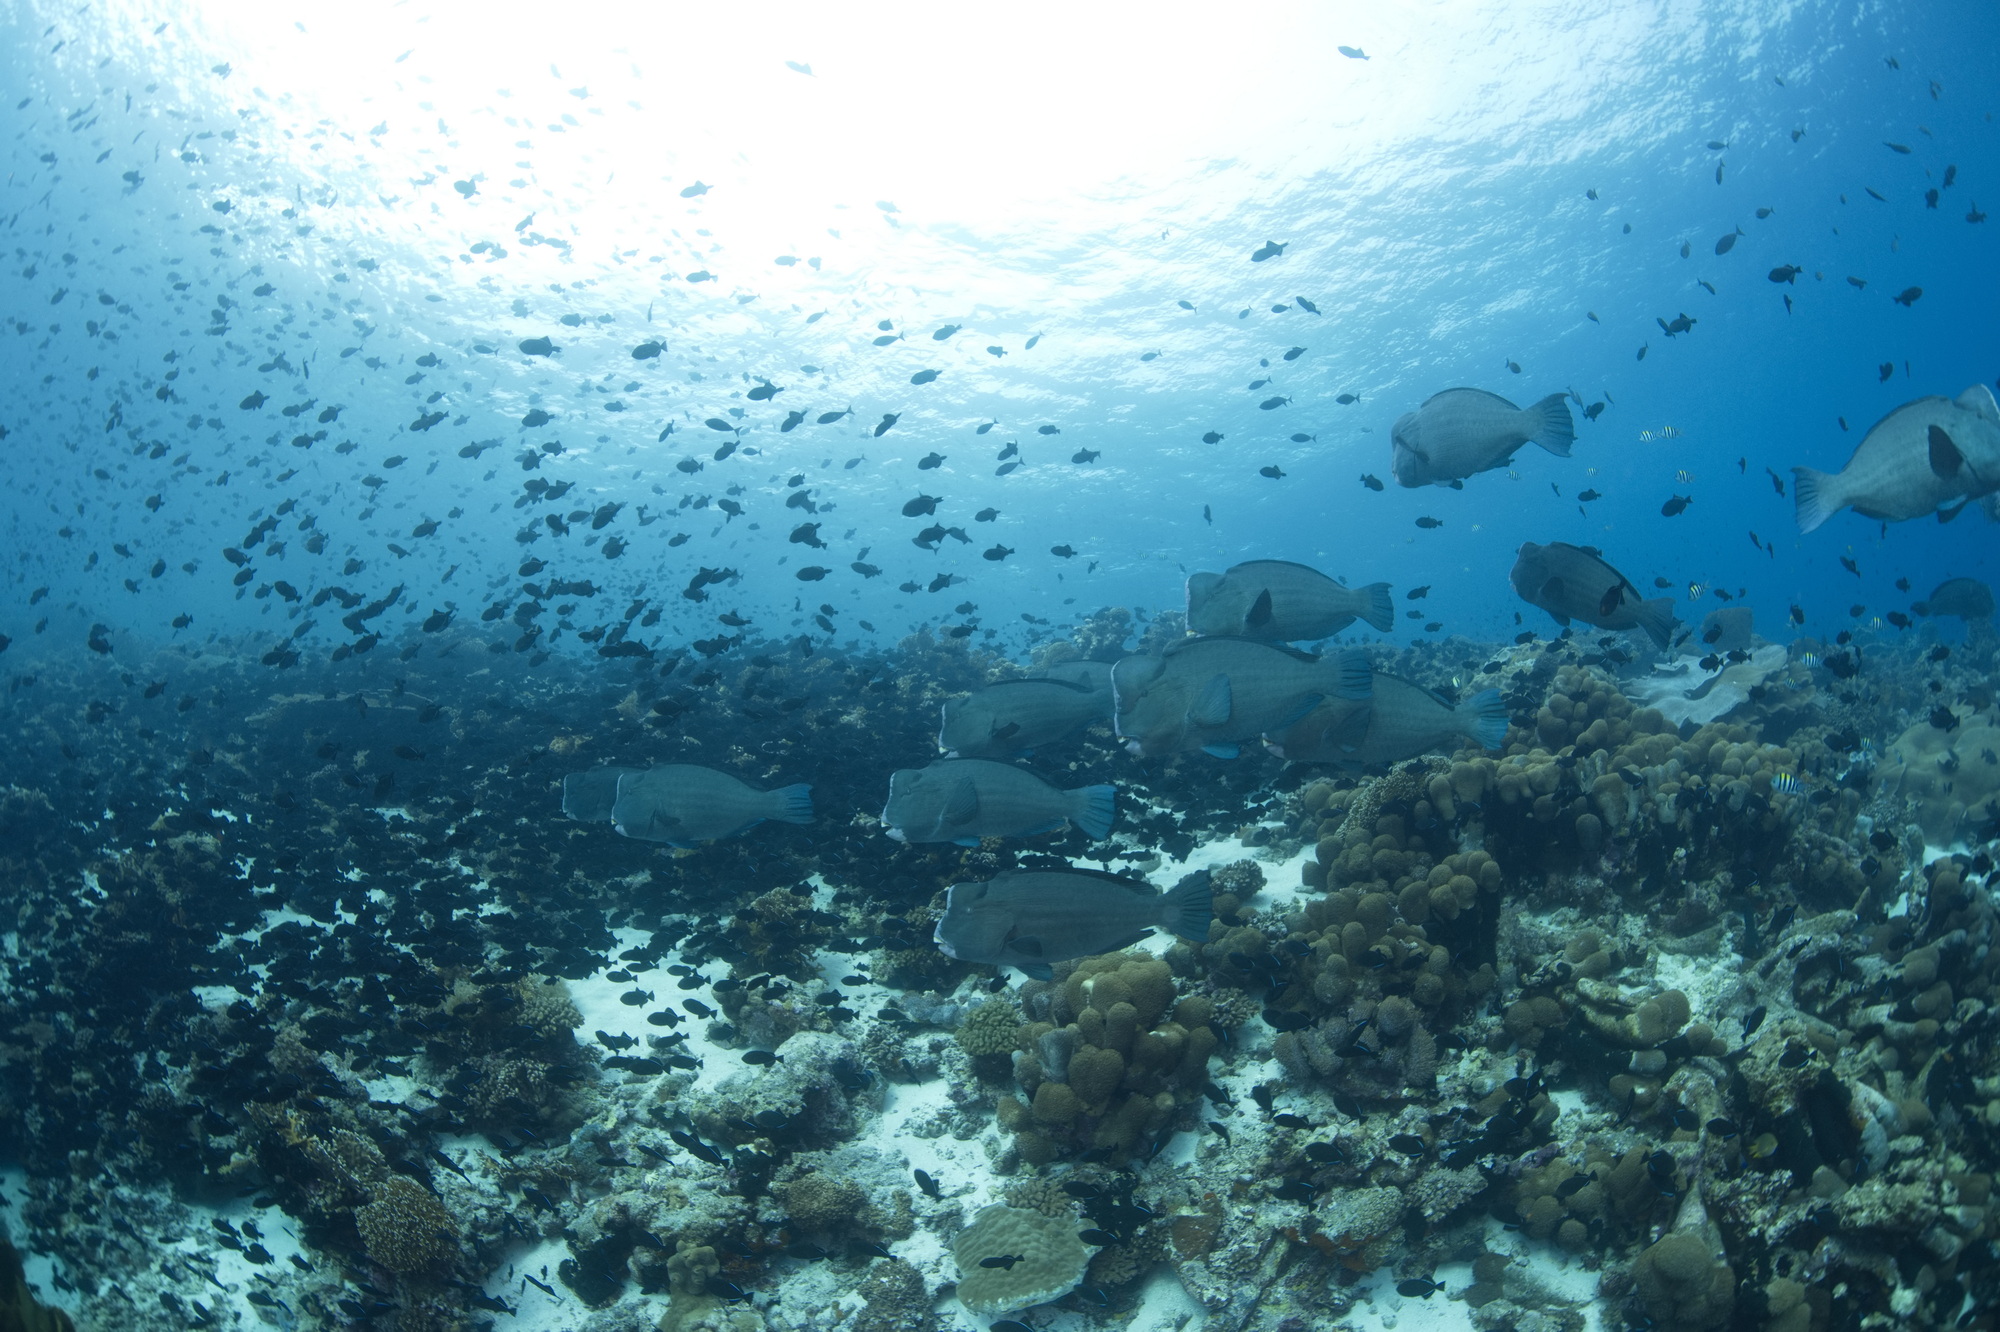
{"x":1133,"y":747}
{"x":896,"y":833}
{"x":944,"y":946}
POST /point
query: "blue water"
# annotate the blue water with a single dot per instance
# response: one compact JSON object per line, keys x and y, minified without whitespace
{"x":1433,"y":204}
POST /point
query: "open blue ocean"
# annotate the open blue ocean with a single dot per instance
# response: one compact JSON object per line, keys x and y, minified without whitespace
{"x":896,"y":667}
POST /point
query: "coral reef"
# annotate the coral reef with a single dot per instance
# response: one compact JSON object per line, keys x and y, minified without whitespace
{"x":1108,"y":1058}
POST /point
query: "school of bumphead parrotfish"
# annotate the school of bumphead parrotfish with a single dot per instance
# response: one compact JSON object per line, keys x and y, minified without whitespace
{"x":588,"y":750}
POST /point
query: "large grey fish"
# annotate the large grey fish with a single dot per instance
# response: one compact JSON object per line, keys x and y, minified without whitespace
{"x":1212,"y":693}
{"x":590,"y":795}
{"x":1401,"y":721}
{"x":1967,"y":598}
{"x":1574,"y":583}
{"x":1018,"y":716}
{"x":1277,"y":601}
{"x":1029,"y":919}
{"x":683,"y":804}
{"x":964,"y":799}
{"x":1462,"y":431}
{"x":1916,"y":460}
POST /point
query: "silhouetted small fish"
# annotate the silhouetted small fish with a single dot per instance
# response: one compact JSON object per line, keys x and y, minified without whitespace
{"x":1372,"y":482}
{"x":1421,"y":1288}
{"x":1428,"y":523}
{"x":1675,"y":506}
{"x":927,"y":1184}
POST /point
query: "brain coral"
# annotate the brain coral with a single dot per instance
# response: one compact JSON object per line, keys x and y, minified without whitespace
{"x":1050,"y":1259}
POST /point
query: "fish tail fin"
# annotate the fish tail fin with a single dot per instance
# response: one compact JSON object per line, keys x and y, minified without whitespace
{"x":1190,"y":907}
{"x":1656,"y":617}
{"x":1091,"y":810}
{"x":1558,"y":429}
{"x":1484,"y":718}
{"x":1377,"y":608}
{"x":1816,"y":499}
{"x":792,"y":804}
{"x":1354,"y":677}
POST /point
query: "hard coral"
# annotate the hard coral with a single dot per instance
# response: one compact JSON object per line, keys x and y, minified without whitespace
{"x":990,"y":1028}
{"x":405,"y":1228}
{"x":1684,"y":1283}
{"x":1051,"y":1259}
{"x":1948,"y":774}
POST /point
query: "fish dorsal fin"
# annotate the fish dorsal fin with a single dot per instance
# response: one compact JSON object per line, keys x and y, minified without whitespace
{"x":1249,"y":566}
{"x":1946,"y":460}
{"x":963,"y":806}
{"x":1260,"y":609}
{"x":1042,"y":680}
{"x":1480,"y":392}
{"x":1202,"y":644}
{"x":1425,"y":690}
{"x":1212,"y":704}
{"x":1979,"y":401}
{"x":1138,"y":886}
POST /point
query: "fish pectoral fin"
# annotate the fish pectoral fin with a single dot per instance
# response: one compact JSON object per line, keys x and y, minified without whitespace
{"x":1305,"y":705}
{"x":963,"y":806}
{"x":1551,"y":593}
{"x":1036,"y":970}
{"x":1007,"y":732}
{"x":1946,"y":515}
{"x":1212,"y":705}
{"x":1945,"y":456}
{"x":1028,"y":944}
{"x":1260,"y":609}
